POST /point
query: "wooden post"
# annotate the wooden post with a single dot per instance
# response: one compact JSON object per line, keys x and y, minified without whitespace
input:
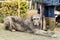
{"x":18,"y":7}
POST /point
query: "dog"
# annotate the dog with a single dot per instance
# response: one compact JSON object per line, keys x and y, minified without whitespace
{"x":12,"y":22}
{"x":31,"y":25}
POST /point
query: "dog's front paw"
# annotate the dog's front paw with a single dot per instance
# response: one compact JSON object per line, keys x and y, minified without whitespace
{"x":13,"y":30}
{"x":54,"y":36}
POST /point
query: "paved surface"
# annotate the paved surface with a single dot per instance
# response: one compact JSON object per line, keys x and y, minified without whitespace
{"x":8,"y":35}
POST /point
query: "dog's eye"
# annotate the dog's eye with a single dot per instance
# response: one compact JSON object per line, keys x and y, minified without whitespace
{"x":37,"y":18}
{"x":34,"y":19}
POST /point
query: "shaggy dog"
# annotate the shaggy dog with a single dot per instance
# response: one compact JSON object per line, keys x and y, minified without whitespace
{"x":18,"y":23}
{"x":31,"y":24}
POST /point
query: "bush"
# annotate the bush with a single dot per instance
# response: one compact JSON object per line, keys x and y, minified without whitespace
{"x":10,"y":9}
{"x":1,"y":17}
{"x":23,"y":7}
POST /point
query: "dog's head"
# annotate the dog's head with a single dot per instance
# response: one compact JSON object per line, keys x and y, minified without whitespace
{"x":35,"y":19}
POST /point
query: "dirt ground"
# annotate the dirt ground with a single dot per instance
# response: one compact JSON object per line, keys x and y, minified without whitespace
{"x":8,"y":35}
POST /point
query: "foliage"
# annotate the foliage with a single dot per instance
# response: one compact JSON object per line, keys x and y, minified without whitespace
{"x":23,"y":7}
{"x":11,"y":8}
{"x":1,"y":17}
{"x":8,"y":8}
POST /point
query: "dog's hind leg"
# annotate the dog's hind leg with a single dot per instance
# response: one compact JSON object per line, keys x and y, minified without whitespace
{"x":11,"y":25}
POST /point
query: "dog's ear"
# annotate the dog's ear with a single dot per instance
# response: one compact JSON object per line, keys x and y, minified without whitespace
{"x":31,"y":18}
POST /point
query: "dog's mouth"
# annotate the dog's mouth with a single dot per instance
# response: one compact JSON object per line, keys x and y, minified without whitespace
{"x":37,"y":25}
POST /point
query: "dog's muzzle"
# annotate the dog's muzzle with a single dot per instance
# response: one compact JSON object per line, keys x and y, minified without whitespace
{"x":36,"y":24}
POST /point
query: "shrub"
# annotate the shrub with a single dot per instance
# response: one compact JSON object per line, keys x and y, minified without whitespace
{"x":10,"y":8}
{"x":1,"y":17}
{"x":23,"y":7}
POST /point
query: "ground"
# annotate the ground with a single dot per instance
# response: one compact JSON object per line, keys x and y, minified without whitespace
{"x":8,"y":35}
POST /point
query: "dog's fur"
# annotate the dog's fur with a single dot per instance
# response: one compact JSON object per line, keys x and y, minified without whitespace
{"x":18,"y":23}
{"x":30,"y":24}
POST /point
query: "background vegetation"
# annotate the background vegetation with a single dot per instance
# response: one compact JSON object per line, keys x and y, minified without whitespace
{"x":11,"y":9}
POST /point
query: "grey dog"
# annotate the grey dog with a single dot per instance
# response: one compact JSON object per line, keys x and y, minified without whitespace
{"x":31,"y":24}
